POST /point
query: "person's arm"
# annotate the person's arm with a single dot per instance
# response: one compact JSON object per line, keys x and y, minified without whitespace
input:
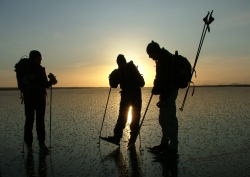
{"x":52,"y":79}
{"x":163,"y":77}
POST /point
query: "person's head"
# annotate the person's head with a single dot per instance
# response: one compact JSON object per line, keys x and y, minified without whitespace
{"x":153,"y":49}
{"x":35,"y":56}
{"x":121,"y":60}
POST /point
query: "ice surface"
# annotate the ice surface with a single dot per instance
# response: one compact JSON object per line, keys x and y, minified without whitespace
{"x":213,"y":136}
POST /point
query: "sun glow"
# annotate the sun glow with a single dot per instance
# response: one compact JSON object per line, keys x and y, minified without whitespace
{"x":129,"y":115}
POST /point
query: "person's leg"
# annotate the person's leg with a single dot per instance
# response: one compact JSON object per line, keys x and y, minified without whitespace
{"x":169,"y":121}
{"x":136,"y":115}
{"x":40,"y":124}
{"x":28,"y":127}
{"x":123,"y":114}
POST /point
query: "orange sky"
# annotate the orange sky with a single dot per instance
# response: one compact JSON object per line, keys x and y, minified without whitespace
{"x":80,"y":41}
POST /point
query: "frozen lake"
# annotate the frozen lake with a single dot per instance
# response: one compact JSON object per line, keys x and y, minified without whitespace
{"x":214,"y":132}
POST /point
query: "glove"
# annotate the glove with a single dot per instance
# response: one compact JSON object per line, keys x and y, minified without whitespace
{"x":114,"y":79}
{"x":161,"y":104}
{"x":155,"y":91}
{"x":52,"y":79}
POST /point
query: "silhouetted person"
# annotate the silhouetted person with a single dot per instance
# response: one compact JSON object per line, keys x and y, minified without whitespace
{"x":33,"y":85}
{"x":131,"y":81}
{"x":167,"y":91}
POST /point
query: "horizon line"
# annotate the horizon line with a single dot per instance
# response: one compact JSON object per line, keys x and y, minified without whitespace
{"x":85,"y":87}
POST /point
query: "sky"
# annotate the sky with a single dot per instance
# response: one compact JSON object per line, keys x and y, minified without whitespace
{"x":80,"y":39}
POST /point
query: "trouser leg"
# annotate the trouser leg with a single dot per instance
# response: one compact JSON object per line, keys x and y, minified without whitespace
{"x":169,"y":121}
{"x":122,"y":118}
{"x":40,"y":124}
{"x":136,"y":115}
{"x":134,"y":126}
{"x":121,"y":122}
{"x":29,"y":120}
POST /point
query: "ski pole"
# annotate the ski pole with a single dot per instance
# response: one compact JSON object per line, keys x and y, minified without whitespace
{"x":145,"y":112}
{"x":197,"y":54}
{"x":207,"y":21}
{"x":50,"y":112}
{"x":138,"y":132}
{"x":104,"y":114}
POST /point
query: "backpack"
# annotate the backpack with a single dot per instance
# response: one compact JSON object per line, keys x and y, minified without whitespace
{"x":22,"y":69}
{"x":128,"y":78}
{"x":135,"y":74}
{"x":182,"y":71}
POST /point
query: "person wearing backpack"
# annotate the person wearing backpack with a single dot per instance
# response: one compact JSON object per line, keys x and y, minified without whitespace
{"x":166,"y":89}
{"x":32,"y":81}
{"x":131,"y":81}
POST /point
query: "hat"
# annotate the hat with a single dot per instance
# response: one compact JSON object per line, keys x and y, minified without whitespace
{"x":153,"y":47}
{"x":34,"y":53}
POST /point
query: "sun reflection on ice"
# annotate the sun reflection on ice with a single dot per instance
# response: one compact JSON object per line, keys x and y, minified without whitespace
{"x":129,"y":115}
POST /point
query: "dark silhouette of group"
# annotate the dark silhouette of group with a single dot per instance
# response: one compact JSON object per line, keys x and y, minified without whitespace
{"x":33,"y":87}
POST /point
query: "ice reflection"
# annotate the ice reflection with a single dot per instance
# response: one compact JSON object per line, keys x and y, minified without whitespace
{"x":129,"y":115}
